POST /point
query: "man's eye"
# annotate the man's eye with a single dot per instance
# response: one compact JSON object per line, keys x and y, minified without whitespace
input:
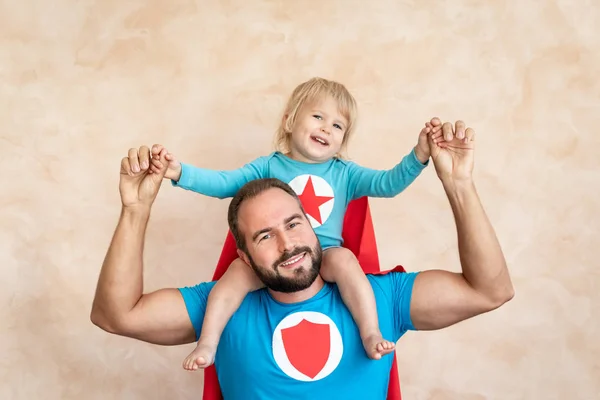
{"x":265,"y":237}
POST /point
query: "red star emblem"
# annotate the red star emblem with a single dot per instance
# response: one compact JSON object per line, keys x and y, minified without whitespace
{"x":311,"y":202}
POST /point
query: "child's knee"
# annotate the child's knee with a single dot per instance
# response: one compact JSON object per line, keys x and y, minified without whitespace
{"x":244,"y":276}
{"x":339,"y":256}
{"x":337,"y":260}
{"x":238,"y":265}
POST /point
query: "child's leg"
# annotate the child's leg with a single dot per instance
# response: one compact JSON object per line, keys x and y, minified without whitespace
{"x":341,"y":266}
{"x":224,"y":299}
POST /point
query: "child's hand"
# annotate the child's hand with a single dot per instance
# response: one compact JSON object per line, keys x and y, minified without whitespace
{"x":422,"y":148}
{"x":433,"y":128}
{"x":174,"y":167}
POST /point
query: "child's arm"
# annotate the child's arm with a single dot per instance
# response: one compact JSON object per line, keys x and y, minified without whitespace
{"x":219,"y":184}
{"x":389,"y":183}
{"x":384,"y":183}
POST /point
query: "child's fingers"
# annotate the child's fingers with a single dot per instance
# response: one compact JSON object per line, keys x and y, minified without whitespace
{"x":156,"y":166}
{"x":437,"y":136}
{"x":435,"y":121}
{"x":156,"y":149}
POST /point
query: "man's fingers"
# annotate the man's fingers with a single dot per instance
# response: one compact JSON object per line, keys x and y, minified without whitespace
{"x":125,"y":166}
{"x":469,"y":135}
{"x":460,"y":129}
{"x":448,"y":132}
{"x":134,"y":162}
{"x":144,"y":157}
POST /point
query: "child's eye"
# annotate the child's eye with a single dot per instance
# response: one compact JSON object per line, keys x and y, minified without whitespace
{"x":317,"y":116}
{"x":337,"y":126}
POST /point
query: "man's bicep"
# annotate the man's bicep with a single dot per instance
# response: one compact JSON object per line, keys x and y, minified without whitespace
{"x":442,"y":298}
{"x":168,"y":316}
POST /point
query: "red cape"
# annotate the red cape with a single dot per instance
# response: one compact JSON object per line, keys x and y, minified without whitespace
{"x":359,"y":237}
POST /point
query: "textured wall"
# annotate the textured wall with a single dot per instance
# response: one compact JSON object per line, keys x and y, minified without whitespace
{"x":82,"y":81}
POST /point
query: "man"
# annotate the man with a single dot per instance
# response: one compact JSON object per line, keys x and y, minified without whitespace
{"x":296,"y":339}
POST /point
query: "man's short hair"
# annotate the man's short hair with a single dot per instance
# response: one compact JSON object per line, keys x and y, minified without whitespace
{"x":247,"y":192}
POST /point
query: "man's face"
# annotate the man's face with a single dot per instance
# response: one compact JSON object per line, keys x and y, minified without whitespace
{"x":282,"y":247}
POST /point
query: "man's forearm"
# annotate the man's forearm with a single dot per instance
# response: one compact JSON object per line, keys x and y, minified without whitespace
{"x":120,"y":283}
{"x":482,"y":259}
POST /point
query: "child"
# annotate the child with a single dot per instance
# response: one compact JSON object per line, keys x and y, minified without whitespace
{"x":317,"y":124}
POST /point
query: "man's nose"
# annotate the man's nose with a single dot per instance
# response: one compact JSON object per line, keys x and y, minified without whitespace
{"x":285,"y":244}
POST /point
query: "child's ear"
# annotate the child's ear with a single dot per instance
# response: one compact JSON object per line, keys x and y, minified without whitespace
{"x":284,"y":120}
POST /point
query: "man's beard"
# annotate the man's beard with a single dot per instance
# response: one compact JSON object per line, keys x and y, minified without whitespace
{"x":302,"y":279}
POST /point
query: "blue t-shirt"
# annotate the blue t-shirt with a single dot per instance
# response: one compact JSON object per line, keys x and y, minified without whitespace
{"x":307,"y":350}
{"x":325,"y":189}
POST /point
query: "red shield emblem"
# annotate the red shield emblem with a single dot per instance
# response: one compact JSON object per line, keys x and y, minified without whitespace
{"x":307,"y":346}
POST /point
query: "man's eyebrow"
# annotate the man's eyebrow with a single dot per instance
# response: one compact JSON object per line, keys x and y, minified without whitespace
{"x":293,"y":217}
{"x":269,"y":229}
{"x":257,"y":234}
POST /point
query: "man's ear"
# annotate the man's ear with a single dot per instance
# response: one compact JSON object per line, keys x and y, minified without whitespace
{"x":243,"y":256}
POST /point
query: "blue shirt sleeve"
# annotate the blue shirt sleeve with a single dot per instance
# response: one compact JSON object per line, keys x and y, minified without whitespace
{"x":402,"y":289}
{"x":195,"y":298}
{"x":396,"y":290}
{"x":220,"y":184}
{"x":383,"y":183}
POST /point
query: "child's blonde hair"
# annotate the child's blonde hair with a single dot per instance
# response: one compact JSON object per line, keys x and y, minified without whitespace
{"x":307,"y":92}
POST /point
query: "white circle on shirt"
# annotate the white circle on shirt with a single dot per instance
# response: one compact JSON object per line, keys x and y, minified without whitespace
{"x":314,"y":190}
{"x":307,"y":346}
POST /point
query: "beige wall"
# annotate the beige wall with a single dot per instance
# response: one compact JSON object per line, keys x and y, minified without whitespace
{"x":82,"y":81}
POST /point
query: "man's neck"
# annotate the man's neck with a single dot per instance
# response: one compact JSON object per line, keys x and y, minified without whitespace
{"x":302,"y":295}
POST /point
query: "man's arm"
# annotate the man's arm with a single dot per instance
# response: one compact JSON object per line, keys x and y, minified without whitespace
{"x":120,"y":307}
{"x":442,"y":298}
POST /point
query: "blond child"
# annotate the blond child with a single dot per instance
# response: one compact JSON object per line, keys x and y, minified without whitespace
{"x":317,"y":124}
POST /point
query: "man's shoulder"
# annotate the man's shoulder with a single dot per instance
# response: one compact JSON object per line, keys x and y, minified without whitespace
{"x":196,"y":293}
{"x":390,"y":281}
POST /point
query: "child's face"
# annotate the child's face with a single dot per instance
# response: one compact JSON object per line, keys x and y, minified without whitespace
{"x":318,"y":132}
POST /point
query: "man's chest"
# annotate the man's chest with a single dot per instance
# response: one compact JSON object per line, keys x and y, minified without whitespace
{"x":316,"y":350}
